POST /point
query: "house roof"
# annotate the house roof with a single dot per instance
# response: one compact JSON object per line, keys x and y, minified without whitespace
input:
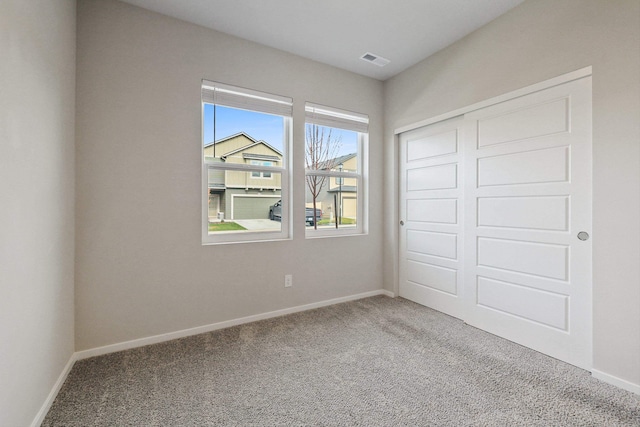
{"x":238,"y":150}
{"x":227,"y":138}
{"x":338,"y":160}
{"x":253,"y":143}
{"x":344,"y":158}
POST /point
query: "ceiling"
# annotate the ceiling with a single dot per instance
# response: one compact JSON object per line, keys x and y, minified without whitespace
{"x":339,"y":32}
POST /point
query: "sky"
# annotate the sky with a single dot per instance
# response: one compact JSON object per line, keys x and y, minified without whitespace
{"x":260,"y":126}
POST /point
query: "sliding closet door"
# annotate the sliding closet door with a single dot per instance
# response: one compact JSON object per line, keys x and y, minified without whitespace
{"x":495,"y":212}
{"x":528,"y":220}
{"x":431,"y":212}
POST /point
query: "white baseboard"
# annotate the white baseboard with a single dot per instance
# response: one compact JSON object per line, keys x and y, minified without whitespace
{"x":618,"y":382}
{"x":155,"y":339}
{"x":54,"y":392}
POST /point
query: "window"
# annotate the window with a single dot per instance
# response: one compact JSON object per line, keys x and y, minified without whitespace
{"x":335,"y":171}
{"x":261,"y":174}
{"x":245,"y":142}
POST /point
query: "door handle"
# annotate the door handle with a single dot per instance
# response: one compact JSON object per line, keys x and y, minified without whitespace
{"x":583,"y":235}
{"x":401,"y":222}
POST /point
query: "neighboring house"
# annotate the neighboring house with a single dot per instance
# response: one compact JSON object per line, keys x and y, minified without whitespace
{"x":242,"y":195}
{"x":341,"y":189}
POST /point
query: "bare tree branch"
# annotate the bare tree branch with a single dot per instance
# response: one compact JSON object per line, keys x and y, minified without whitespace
{"x":321,"y":151}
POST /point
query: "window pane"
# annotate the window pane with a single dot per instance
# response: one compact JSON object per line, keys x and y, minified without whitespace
{"x":246,"y":136}
{"x":240,"y":202}
{"x":336,"y":203}
{"x":331,"y":149}
{"x":328,"y":148}
{"x":243,"y":136}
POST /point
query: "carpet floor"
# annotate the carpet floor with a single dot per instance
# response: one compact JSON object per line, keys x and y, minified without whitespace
{"x":373,"y":362}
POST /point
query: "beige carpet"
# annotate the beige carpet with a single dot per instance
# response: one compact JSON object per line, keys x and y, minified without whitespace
{"x":373,"y":362}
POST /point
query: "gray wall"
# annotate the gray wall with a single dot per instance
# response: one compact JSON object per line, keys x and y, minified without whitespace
{"x":538,"y":40}
{"x":140,"y":267}
{"x":37,"y":91}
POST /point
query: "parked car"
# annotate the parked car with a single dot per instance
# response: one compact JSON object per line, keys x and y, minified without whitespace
{"x":275,"y":213}
{"x":308,"y":215}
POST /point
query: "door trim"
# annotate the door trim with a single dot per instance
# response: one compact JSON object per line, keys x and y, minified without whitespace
{"x":565,"y":78}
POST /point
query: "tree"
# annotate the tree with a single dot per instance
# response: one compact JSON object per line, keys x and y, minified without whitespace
{"x":321,"y":150}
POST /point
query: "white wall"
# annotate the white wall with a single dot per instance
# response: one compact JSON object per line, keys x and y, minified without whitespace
{"x":140,"y":267}
{"x":538,"y":40}
{"x":37,"y":94}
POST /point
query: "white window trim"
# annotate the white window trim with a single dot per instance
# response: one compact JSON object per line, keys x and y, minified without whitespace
{"x":336,"y":118}
{"x":270,"y":104}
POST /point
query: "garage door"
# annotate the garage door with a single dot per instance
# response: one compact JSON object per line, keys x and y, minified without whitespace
{"x":252,"y":207}
{"x":349,"y":207}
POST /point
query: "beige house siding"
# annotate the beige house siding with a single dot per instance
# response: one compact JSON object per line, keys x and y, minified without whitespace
{"x":325,"y":200}
{"x":235,"y":179}
{"x":346,"y":182}
{"x":334,"y":193}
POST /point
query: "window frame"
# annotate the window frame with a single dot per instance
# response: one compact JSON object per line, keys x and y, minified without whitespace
{"x":261,"y":175}
{"x":345,"y":120}
{"x":245,"y":98}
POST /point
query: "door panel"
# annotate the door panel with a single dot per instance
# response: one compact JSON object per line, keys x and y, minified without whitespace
{"x":436,"y":244}
{"x":528,"y":167}
{"x":492,"y":203}
{"x":527,"y":195}
{"x":537,"y":259}
{"x":443,"y":211}
{"x":433,"y":276}
{"x":531,"y":212}
{"x":529,"y":122}
{"x":438,"y":177}
{"x":431,"y":208}
{"x":432,"y":146}
{"x":524,"y":302}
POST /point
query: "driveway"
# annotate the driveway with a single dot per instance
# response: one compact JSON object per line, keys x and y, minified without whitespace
{"x":258,"y":224}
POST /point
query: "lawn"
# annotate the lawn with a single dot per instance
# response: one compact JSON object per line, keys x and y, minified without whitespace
{"x":224,"y":226}
{"x":345,"y":221}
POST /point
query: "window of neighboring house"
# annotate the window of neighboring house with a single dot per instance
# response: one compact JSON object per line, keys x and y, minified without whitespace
{"x":246,"y":139}
{"x":261,"y":174}
{"x":335,"y":171}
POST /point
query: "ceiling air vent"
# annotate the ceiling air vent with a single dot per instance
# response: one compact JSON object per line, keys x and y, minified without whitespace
{"x":375,"y":59}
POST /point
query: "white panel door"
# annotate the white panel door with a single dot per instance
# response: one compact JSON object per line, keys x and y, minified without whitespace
{"x":431,"y":209}
{"x":491,"y":205}
{"x":527,"y":196}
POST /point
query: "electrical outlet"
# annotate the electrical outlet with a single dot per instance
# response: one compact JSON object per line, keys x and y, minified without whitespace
{"x":288,"y":280}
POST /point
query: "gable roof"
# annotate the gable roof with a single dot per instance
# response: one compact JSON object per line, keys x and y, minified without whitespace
{"x":343,"y":159}
{"x":253,"y":143}
{"x":245,"y":147}
{"x":227,"y":138}
{"x":337,"y":160}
